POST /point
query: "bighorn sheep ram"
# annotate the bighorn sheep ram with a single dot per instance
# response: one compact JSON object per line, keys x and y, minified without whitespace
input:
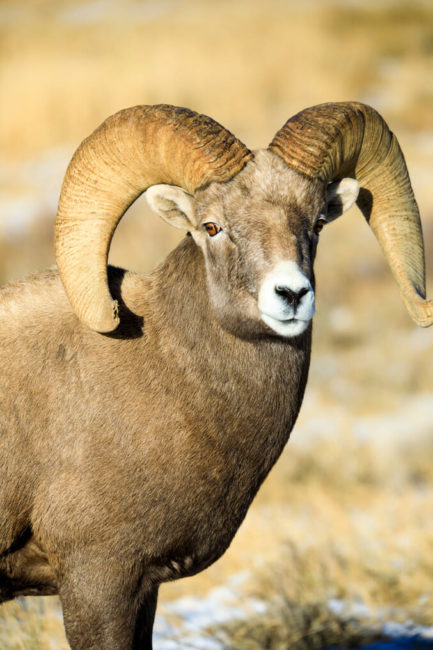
{"x":137,"y":425}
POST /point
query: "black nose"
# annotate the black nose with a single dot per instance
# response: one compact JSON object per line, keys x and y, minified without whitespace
{"x":293,"y":298}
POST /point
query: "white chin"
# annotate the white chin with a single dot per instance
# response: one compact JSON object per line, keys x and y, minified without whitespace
{"x":287,"y":328}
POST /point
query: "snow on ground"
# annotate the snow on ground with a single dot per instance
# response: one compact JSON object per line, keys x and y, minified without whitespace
{"x":400,"y":636}
{"x":194,"y":617}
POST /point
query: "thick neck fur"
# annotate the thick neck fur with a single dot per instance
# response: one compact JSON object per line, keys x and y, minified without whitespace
{"x":249,"y":390}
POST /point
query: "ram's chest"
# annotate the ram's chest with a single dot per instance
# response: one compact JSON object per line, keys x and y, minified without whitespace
{"x":181,"y":567}
{"x":201,"y":550}
{"x":210,"y":498}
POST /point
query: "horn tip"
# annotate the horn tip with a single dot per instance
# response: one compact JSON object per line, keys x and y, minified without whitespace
{"x":105,"y":321}
{"x":422,"y":312}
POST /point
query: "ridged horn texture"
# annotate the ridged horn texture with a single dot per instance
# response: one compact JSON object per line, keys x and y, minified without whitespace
{"x":130,"y":151}
{"x":337,"y":140}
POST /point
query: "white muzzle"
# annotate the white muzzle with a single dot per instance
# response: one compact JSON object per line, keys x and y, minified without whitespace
{"x":286,"y":300}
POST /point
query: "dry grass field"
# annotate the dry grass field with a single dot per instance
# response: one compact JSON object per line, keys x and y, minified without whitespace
{"x":340,"y":537}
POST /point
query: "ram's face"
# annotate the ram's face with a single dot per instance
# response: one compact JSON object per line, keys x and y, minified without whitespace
{"x":257,"y":238}
{"x":258,"y":234}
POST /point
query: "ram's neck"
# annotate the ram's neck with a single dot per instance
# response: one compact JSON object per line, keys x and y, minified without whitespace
{"x":178,"y":294}
{"x":246,"y":393}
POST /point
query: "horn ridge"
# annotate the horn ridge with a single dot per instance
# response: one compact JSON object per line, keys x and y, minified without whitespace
{"x":130,"y":151}
{"x":315,"y":151}
{"x":334,"y":140}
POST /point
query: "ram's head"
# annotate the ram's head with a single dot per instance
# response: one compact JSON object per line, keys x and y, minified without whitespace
{"x":256,"y":216}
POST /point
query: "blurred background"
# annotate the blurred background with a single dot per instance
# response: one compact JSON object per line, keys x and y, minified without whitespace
{"x":337,"y":548}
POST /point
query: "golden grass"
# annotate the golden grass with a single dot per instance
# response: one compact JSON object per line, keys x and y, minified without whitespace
{"x":32,"y":624}
{"x":249,"y":64}
{"x":347,"y":511}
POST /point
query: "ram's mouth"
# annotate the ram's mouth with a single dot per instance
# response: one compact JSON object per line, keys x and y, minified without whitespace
{"x":286,"y":327}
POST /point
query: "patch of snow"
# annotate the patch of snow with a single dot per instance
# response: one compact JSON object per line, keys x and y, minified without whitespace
{"x":218,"y":607}
{"x":398,"y":630}
{"x":342,"y":609}
{"x":395,"y":636}
{"x":337,"y":606}
{"x":195,"y":615}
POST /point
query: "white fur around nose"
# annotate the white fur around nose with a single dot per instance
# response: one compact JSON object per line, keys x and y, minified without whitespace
{"x":285,"y":318}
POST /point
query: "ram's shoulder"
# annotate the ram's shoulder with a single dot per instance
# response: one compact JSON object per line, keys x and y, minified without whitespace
{"x":38,"y":303}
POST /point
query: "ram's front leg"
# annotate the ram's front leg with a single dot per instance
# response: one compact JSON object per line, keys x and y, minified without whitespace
{"x":104,"y":610}
{"x":144,"y":620}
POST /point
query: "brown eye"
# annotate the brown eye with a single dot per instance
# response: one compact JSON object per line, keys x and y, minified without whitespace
{"x":212,"y":229}
{"x":319,"y":225}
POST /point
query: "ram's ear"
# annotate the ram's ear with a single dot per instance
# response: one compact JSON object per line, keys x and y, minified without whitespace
{"x":341,"y":195}
{"x":173,"y":204}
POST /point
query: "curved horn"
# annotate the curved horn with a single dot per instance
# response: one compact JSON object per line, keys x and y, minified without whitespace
{"x":331,"y":141}
{"x":130,"y":151}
